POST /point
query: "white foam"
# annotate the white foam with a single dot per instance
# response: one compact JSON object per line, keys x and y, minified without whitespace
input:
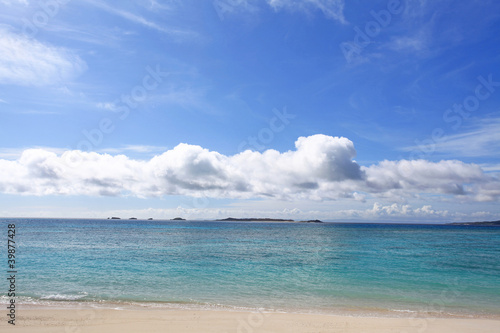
{"x":58,"y":297}
{"x":406,"y":311}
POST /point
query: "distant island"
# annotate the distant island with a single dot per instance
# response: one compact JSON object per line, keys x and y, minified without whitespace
{"x":312,"y":221}
{"x":265,"y":219}
{"x":177,"y":219}
{"x":252,"y":219}
{"x":484,"y":223}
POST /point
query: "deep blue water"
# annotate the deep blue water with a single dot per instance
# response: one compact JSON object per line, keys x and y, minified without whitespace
{"x":284,"y":266}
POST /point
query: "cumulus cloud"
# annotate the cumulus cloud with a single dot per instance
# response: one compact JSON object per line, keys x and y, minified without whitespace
{"x":320,"y":167}
{"x":28,"y":62}
{"x":197,"y":209}
{"x":395,"y":212}
{"x":417,"y":176}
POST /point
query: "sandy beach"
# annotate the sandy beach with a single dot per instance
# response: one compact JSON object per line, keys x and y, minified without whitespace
{"x":196,"y":321}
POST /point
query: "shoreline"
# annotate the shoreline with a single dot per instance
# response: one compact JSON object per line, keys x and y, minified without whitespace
{"x":170,"y":306}
{"x":97,"y":320}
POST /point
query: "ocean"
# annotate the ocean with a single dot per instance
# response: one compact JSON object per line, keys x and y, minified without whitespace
{"x":358,"y":269}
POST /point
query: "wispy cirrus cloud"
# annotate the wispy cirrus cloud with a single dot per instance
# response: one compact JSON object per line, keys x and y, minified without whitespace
{"x":154,"y":5}
{"x":187,"y":97}
{"x":482,"y":139}
{"x":333,"y":9}
{"x":28,"y":62}
{"x":12,"y":2}
{"x":108,"y":106}
{"x":15,"y":153}
{"x":406,"y":43}
{"x":143,"y":21}
{"x":141,"y":149}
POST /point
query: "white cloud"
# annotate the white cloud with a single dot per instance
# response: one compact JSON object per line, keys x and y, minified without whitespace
{"x":109,"y":106}
{"x":481,"y":139}
{"x":410,"y":44}
{"x":333,"y":9}
{"x":420,"y":176}
{"x":28,"y":62}
{"x":491,"y":167}
{"x":193,"y":210}
{"x":142,"y":21}
{"x":10,"y":153}
{"x":378,"y":212}
{"x":13,"y":2}
{"x":396,"y":212}
{"x":320,"y":168}
{"x":142,"y":149}
{"x":154,"y":5}
{"x":15,"y":153}
{"x":36,"y":112}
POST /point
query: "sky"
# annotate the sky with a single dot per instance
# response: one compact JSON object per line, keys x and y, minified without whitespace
{"x":373,"y":111}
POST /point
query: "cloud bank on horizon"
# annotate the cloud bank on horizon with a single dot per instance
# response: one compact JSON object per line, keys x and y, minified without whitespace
{"x":320,"y":168}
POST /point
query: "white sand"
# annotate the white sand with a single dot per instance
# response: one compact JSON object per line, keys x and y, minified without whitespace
{"x":179,"y":321}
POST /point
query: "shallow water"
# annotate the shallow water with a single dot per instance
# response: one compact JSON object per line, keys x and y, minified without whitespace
{"x":444,"y":270}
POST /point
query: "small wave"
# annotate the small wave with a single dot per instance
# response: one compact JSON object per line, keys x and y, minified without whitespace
{"x":58,"y":297}
{"x":4,"y":299}
{"x":406,"y":311}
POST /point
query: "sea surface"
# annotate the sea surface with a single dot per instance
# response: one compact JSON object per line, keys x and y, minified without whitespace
{"x":293,"y":267}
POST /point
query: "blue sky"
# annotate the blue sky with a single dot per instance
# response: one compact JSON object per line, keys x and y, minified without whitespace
{"x":331,"y":109}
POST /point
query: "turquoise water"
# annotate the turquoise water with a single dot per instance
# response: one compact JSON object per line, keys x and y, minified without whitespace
{"x":333,"y":268}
